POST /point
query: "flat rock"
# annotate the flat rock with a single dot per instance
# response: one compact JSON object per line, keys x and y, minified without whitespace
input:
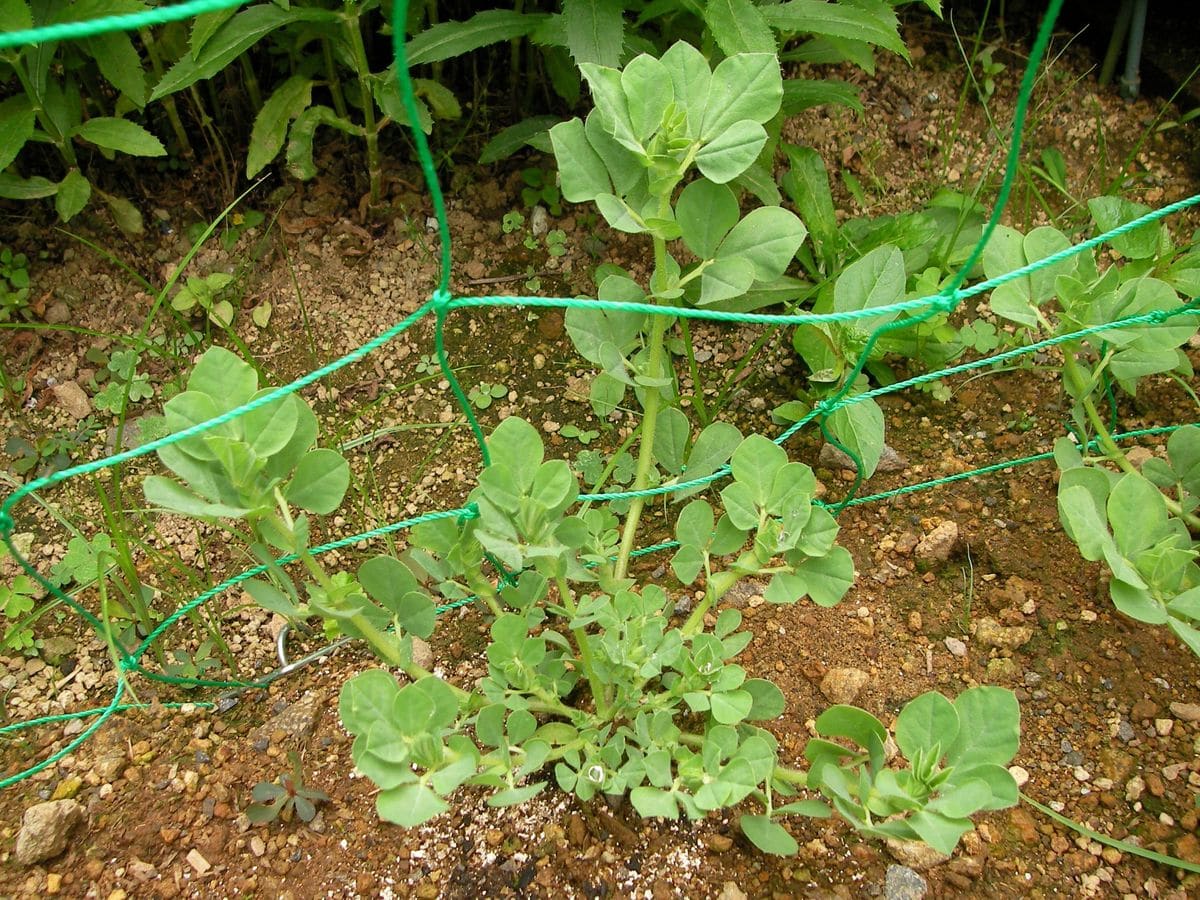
{"x":72,"y":398}
{"x":1188,"y":712}
{"x":903,"y":883}
{"x":58,"y":313}
{"x":955,"y":646}
{"x":937,"y":546}
{"x":889,"y":461}
{"x":991,"y":633}
{"x":731,"y":891}
{"x":422,"y":653}
{"x":843,"y":685}
{"x":296,"y":721}
{"x":915,"y":855}
{"x":45,"y":829}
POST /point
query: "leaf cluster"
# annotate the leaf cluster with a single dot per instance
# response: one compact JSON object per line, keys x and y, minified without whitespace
{"x":668,"y":713}
{"x":957,"y":751}
{"x":1145,"y":537}
{"x":285,"y":797}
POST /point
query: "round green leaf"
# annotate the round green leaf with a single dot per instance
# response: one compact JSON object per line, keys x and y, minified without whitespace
{"x":731,"y":707}
{"x":767,"y":699}
{"x":768,"y":237}
{"x":320,"y":482}
{"x":925,"y":721}
{"x":768,"y":836}
{"x":409,"y":805}
{"x":731,"y":152}
{"x":367,"y":698}
{"x":705,"y":212}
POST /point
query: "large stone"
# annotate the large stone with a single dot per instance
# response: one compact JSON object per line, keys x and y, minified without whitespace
{"x":903,"y":883}
{"x":889,"y":461}
{"x":915,"y":854}
{"x":843,"y":685}
{"x":71,"y":397}
{"x":45,"y":829}
{"x":937,"y":546}
{"x":296,"y":721}
{"x":1188,"y":712}
{"x":991,"y":633}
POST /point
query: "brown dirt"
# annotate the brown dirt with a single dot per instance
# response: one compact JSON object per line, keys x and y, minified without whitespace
{"x":166,"y":789}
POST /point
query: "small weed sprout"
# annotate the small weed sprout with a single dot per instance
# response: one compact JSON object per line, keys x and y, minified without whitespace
{"x":287,"y":796}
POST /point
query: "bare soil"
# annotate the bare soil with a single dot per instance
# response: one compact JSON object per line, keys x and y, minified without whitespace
{"x":166,"y":788}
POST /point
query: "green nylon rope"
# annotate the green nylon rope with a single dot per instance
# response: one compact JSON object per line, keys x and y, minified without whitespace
{"x":441,"y":302}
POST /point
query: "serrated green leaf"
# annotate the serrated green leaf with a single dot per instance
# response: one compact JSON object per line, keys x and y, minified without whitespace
{"x":16,"y":127}
{"x":229,"y":42}
{"x":447,"y":40}
{"x":595,"y":30}
{"x":33,"y":188}
{"x":875,"y":23}
{"x":121,"y":135}
{"x":271,"y":124}
{"x":738,"y":26}
{"x":120,"y":63}
{"x":72,"y":196}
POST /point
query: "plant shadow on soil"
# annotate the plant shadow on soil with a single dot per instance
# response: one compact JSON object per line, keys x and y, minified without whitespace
{"x":165,"y":790}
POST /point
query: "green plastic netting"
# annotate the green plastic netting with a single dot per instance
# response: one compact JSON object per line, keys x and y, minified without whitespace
{"x":442,"y":303}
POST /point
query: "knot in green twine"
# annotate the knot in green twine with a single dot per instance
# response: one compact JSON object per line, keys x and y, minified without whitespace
{"x":947,"y":302}
{"x":441,"y":301}
{"x":825,"y":408}
{"x":470,"y":511}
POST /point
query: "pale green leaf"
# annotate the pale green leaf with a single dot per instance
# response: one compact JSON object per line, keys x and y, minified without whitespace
{"x":320,"y":482}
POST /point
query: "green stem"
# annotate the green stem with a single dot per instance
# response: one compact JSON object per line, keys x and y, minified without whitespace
{"x":586,"y":661}
{"x":1110,"y":447}
{"x":370,"y":128}
{"x":333,"y":82}
{"x":654,"y":367}
{"x":251,"y":82}
{"x":61,"y":141}
{"x":1076,"y":382}
{"x":747,"y":358}
{"x":485,"y":591}
{"x":798,"y":777}
{"x":694,"y":370}
{"x":168,"y":102}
